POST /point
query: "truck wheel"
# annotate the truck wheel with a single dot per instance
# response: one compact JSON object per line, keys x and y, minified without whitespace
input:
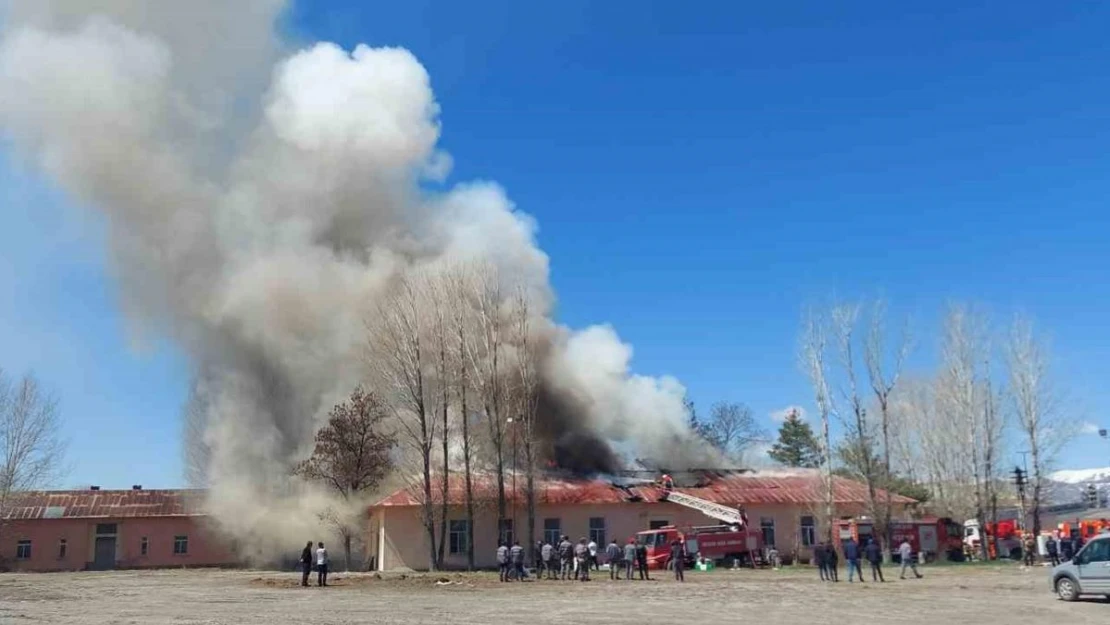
{"x":1066,"y":589}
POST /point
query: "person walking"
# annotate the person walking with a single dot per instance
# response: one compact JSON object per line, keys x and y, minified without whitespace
{"x":678,"y":559}
{"x":832,"y":561}
{"x":516,"y":557}
{"x":322,"y":562}
{"x":566,"y":557}
{"x":582,"y":558}
{"x":547,"y":556}
{"x":821,"y":559}
{"x":874,"y":555}
{"x":852,"y":554}
{"x":629,"y":558}
{"x":613,"y":557}
{"x":641,"y":561}
{"x":905,"y":553}
{"x":1053,"y":548}
{"x":503,"y":561}
{"x":306,"y":563}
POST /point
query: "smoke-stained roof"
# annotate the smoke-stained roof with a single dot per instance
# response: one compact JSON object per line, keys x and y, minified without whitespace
{"x":105,"y":504}
{"x":729,"y":488}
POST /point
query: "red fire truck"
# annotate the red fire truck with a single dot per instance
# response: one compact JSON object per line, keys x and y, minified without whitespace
{"x":936,"y":537}
{"x":720,"y":543}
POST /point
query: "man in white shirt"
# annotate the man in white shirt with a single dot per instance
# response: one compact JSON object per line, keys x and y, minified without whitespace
{"x":905,"y":553}
{"x":321,"y":565}
{"x":593,"y":555}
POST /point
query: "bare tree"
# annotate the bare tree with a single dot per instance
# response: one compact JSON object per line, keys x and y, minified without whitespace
{"x":527,"y":394}
{"x":732,"y":429}
{"x":352,"y":454}
{"x":484,"y":353}
{"x":400,"y":354}
{"x":195,"y":422}
{"x":455,"y":291}
{"x":30,"y":440}
{"x":814,"y":343}
{"x":439,"y":295}
{"x":1036,"y":404}
{"x":883,"y":383}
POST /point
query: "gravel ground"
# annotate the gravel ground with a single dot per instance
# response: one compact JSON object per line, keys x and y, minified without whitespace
{"x":981,"y":595}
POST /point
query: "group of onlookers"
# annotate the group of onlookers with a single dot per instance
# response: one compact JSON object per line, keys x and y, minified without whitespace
{"x":828,"y":560}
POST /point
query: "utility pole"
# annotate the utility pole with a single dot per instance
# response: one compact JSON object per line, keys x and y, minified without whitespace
{"x":1019,"y":482}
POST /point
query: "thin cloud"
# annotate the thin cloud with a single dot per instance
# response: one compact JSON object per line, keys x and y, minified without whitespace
{"x":779,"y":416}
{"x":1089,"y":428}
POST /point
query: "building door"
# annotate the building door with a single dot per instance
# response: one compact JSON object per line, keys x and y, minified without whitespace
{"x":105,"y":557}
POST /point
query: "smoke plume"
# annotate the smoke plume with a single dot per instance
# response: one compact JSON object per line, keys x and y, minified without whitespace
{"x":259,"y":198}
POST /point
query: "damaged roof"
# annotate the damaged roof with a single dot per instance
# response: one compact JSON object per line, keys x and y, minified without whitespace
{"x":104,"y":504}
{"x":729,"y":488}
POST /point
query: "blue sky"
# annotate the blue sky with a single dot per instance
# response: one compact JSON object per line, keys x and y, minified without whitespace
{"x":698,"y":176}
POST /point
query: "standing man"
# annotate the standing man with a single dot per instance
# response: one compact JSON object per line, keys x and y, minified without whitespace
{"x":582,"y":557}
{"x":641,"y":561}
{"x":613,"y":557}
{"x":629,"y":558}
{"x":852,"y":554}
{"x":503,"y":561}
{"x":593,"y":554}
{"x":516,"y":555}
{"x":321,"y":565}
{"x":537,"y":559}
{"x":832,"y":560}
{"x":1053,"y":549}
{"x":678,"y":559}
{"x":905,"y":552}
{"x":874,"y":556}
{"x":547,"y":556}
{"x":1029,"y":546}
{"x":306,"y":563}
{"x":566,"y":557}
{"x":820,"y":557}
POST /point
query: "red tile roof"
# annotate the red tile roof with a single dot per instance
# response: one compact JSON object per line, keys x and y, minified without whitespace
{"x":104,"y":504}
{"x":773,"y":487}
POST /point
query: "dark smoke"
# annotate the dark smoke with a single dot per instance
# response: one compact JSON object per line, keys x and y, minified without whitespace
{"x":564,"y":429}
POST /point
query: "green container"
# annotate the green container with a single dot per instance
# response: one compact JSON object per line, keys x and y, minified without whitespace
{"x":707,"y":565}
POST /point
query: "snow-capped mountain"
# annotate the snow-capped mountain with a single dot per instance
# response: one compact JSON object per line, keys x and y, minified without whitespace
{"x":1081,"y":476}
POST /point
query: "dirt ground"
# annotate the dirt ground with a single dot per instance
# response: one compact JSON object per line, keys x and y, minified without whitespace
{"x":984,"y":595}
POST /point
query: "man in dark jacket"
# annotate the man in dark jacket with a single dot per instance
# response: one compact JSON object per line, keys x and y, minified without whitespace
{"x":516,"y":555}
{"x":832,"y":561}
{"x":503,"y":561}
{"x":641,"y":561}
{"x":566,"y":557}
{"x":613,"y":557}
{"x":820,"y":558}
{"x":874,"y":555}
{"x":852,"y":554}
{"x":1053,"y":549}
{"x":537,"y":559}
{"x":678,"y":559}
{"x":306,"y":563}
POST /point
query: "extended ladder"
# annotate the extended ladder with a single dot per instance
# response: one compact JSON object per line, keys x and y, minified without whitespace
{"x":717,"y":511}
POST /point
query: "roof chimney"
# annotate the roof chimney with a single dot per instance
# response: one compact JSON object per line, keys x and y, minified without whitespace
{"x":137,"y":487}
{"x":94,"y":488}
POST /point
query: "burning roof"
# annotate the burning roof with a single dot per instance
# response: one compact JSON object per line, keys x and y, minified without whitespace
{"x":733,"y":488}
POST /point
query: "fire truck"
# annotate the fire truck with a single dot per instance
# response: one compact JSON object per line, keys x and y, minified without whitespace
{"x":935,"y":537}
{"x":719,"y":543}
{"x":1085,"y":529}
{"x":729,"y":541}
{"x":1004,"y":538}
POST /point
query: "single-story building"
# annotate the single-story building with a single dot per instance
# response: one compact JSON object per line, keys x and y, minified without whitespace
{"x":786,"y":506}
{"x":108,"y":529}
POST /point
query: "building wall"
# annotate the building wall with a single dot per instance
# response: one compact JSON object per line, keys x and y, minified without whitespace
{"x":397,"y":538}
{"x":204,"y":548}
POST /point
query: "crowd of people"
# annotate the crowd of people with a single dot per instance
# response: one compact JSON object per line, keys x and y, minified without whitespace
{"x":828,"y":560}
{"x":566,"y":560}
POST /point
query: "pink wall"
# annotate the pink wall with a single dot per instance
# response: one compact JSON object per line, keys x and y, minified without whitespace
{"x":204,"y":549}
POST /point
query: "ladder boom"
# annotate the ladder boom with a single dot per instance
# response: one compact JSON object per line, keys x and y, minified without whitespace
{"x":708,"y":508}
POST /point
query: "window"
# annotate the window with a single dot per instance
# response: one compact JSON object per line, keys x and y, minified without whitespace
{"x":654,"y":525}
{"x":61,"y":549}
{"x":180,"y":545}
{"x":505,"y":534}
{"x":597,"y":529}
{"x":809,"y":531}
{"x":23,"y":550}
{"x":767,"y":526}
{"x":105,"y":528}
{"x":552,"y":531}
{"x":1097,"y":551}
{"x":459,"y":535}
{"x":144,"y":545}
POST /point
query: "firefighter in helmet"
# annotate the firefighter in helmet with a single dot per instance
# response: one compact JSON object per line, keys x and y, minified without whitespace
{"x":668,"y":482}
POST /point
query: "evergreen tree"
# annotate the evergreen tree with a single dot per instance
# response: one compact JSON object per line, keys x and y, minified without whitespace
{"x":797,"y":445}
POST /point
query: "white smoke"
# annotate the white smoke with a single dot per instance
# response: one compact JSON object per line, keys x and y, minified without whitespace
{"x":257,"y":206}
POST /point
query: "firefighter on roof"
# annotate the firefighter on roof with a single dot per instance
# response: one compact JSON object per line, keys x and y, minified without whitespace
{"x":668,"y":482}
